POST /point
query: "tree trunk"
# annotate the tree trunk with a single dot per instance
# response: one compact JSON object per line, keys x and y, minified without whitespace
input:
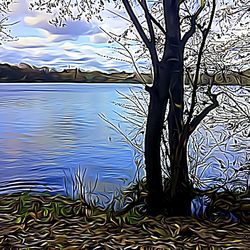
{"x":155,"y":122}
{"x":180,"y":199}
{"x":168,"y":84}
{"x":180,"y":196}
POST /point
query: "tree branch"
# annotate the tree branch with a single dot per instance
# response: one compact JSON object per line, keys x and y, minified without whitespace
{"x":197,"y":72}
{"x":130,"y":55}
{"x":152,"y":49}
{"x":165,"y":13}
{"x":196,"y":121}
{"x":137,"y":24}
{"x":172,"y":38}
{"x":124,"y":18}
{"x":189,"y":33}
{"x":157,"y":23}
{"x":148,"y":19}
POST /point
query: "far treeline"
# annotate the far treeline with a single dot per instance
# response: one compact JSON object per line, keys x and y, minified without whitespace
{"x":29,"y":74}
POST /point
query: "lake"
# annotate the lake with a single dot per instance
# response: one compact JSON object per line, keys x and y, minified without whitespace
{"x":48,"y":131}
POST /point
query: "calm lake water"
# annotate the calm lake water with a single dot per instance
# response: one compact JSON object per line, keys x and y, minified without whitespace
{"x":48,"y":131}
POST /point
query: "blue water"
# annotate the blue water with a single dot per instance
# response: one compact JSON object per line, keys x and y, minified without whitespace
{"x":48,"y":131}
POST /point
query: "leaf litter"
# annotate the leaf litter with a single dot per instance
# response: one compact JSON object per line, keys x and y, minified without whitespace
{"x":32,"y":221}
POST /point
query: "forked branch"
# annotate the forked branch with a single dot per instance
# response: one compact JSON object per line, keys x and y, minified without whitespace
{"x":196,"y":121}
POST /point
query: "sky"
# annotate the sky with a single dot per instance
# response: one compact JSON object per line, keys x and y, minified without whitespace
{"x":78,"y":44}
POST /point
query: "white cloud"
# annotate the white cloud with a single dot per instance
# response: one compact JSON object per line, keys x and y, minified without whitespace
{"x":42,"y":44}
{"x":38,"y":52}
{"x":52,"y":38}
{"x":99,"y":38}
{"x":36,"y":20}
{"x":29,"y":42}
{"x":68,"y":46}
{"x":70,"y":31}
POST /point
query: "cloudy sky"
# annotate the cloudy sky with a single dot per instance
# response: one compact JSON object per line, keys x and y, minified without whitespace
{"x":78,"y":44}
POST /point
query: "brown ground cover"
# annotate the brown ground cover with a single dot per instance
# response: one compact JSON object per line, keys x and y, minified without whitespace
{"x":47,"y":222}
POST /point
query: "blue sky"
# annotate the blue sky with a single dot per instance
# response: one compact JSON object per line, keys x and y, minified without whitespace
{"x":78,"y":44}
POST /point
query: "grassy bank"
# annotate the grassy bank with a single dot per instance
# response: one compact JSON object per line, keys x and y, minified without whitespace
{"x":55,"y":222}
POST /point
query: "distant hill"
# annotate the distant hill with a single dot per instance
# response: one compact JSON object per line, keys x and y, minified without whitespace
{"x":27,"y":73}
{"x":32,"y":74}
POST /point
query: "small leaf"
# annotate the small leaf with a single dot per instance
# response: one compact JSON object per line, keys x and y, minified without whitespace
{"x":19,"y":220}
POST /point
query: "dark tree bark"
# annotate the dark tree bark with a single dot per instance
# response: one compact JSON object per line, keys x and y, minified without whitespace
{"x":155,"y":122}
{"x":179,"y":202}
{"x":180,"y":199}
{"x":167,"y":88}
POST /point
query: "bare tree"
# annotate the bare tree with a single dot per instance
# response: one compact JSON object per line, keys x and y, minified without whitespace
{"x":177,"y":40}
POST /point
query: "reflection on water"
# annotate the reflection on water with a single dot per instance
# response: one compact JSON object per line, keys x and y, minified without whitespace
{"x":47,"y":130}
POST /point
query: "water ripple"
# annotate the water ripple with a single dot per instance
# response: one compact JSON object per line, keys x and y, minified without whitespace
{"x":47,"y":129}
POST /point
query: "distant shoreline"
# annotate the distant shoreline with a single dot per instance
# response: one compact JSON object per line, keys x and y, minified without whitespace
{"x":26,"y":74}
